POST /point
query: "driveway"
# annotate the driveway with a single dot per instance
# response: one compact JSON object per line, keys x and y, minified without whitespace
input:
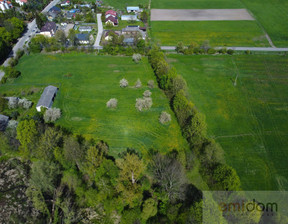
{"x":100,"y":31}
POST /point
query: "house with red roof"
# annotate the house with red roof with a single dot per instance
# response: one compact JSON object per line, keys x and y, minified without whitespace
{"x":110,"y":13}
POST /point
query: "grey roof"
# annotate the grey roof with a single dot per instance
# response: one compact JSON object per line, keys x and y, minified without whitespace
{"x":130,"y":29}
{"x":3,"y":122}
{"x":46,"y":98}
{"x":48,"y":27}
{"x":82,"y":36}
{"x":129,"y":40}
{"x":85,"y":28}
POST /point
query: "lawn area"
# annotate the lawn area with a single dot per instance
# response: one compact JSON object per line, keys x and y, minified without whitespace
{"x":250,"y":119}
{"x":219,"y":33}
{"x":83,"y":96}
{"x":273,"y":16}
{"x":122,"y":4}
{"x":196,"y":4}
{"x":123,"y":24}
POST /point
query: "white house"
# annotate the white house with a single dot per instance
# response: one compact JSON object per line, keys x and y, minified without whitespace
{"x":21,"y":2}
{"x":48,"y":29}
{"x":47,"y":98}
{"x":5,"y":5}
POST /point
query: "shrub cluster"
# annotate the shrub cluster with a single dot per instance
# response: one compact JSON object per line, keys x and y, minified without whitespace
{"x":164,"y":118}
{"x":137,"y":58}
{"x":15,"y":102}
{"x":10,"y":73}
{"x":204,"y":48}
{"x":191,"y":121}
{"x":143,"y":103}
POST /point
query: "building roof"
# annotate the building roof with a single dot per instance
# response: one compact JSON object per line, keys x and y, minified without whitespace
{"x":130,"y":29}
{"x":111,"y":12}
{"x":82,"y":36}
{"x":3,"y":122}
{"x":55,"y":9}
{"x":132,"y":8}
{"x":85,"y":28}
{"x":128,"y":40}
{"x":112,"y":19}
{"x":108,"y":33}
{"x":129,"y":17}
{"x":48,"y":27}
{"x":47,"y":96}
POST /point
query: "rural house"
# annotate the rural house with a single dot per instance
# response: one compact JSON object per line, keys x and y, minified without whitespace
{"x":47,"y":98}
{"x":108,"y":34}
{"x":3,"y":122}
{"x":111,"y":20}
{"x":82,"y":38}
{"x":48,"y":29}
{"x":65,"y":3}
{"x":5,"y":5}
{"x":110,"y":13}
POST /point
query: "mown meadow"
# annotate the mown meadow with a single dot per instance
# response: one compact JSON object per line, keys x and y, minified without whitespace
{"x":86,"y":83}
{"x":248,"y":117}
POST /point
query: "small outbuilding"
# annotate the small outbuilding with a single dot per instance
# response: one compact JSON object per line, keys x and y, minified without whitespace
{"x":133,"y":9}
{"x":4,"y":120}
{"x":129,"y":18}
{"x":47,"y":98}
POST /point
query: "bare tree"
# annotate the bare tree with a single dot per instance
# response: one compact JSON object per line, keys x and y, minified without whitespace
{"x":138,"y":83}
{"x":112,"y":103}
{"x":52,"y":114}
{"x":123,"y":83}
{"x":151,"y":84}
{"x":143,"y":103}
{"x":164,"y":117}
{"x":26,"y":104}
{"x":169,"y":174}
{"x":136,"y":58}
{"x":147,"y":93}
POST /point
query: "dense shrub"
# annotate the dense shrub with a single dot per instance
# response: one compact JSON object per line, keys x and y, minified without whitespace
{"x":112,"y":103}
{"x":52,"y":114}
{"x":24,"y":103}
{"x":230,"y":51}
{"x":164,"y":118}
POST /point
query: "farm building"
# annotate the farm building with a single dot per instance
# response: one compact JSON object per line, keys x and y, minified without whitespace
{"x":111,"y":20}
{"x":85,"y":28}
{"x":129,"y":17}
{"x":82,"y":38}
{"x":47,"y":98}
{"x":48,"y":29}
{"x":3,"y":122}
{"x":133,"y":9}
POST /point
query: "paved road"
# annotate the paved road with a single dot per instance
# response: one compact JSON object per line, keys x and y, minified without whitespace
{"x":271,"y":49}
{"x":100,"y":31}
{"x":27,"y":35}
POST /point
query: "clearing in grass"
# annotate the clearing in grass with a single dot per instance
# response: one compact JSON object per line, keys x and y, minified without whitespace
{"x":248,"y":119}
{"x":219,"y":33}
{"x":86,"y":83}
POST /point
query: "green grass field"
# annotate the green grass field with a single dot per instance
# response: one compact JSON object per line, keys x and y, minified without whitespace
{"x":250,"y":119}
{"x":219,"y":33}
{"x":196,"y":4}
{"x":83,"y":96}
{"x":122,"y":4}
{"x":273,"y":16}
